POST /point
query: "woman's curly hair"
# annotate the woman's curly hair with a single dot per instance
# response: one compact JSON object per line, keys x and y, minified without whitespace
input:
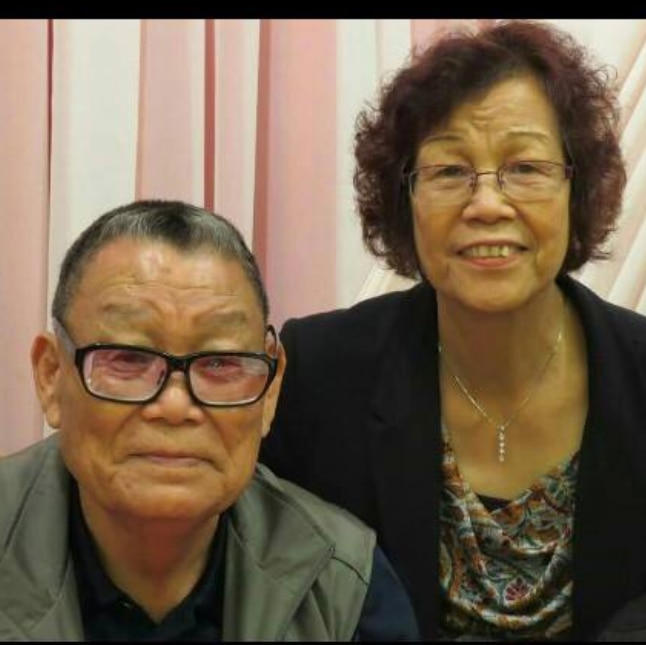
{"x":458,"y":67}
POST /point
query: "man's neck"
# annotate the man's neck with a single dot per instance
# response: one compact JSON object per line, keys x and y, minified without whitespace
{"x":157,"y":563}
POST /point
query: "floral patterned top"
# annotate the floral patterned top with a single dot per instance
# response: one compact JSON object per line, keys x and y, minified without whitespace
{"x":506,"y":573}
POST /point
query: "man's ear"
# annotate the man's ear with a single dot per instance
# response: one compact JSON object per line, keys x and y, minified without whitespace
{"x":46,"y":367}
{"x":271,"y":397}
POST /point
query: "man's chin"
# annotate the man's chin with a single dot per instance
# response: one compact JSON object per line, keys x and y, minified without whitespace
{"x":167,"y":504}
{"x":167,"y":497}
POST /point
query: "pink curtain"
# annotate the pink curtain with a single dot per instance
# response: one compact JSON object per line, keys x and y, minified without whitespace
{"x":252,"y":118}
{"x":24,"y":222}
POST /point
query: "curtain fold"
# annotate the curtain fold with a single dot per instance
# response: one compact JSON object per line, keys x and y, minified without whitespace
{"x":24,"y":219}
{"x":171,"y":115}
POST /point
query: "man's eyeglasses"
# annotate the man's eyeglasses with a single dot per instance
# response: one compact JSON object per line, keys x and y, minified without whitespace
{"x":133,"y":374}
{"x":523,"y":181}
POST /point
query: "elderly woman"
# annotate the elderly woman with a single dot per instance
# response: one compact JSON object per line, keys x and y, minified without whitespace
{"x":490,"y":422}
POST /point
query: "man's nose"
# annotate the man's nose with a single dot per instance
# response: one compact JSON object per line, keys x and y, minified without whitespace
{"x":174,"y":404}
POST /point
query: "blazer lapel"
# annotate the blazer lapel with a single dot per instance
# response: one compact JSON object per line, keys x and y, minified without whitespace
{"x":610,"y":520}
{"x":406,"y":453}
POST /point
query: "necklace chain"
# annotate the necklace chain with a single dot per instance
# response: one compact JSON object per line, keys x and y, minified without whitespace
{"x":502,"y":426}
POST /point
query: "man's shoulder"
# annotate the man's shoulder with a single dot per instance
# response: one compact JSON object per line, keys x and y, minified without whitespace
{"x":18,"y":474}
{"x":287,"y":509}
{"x":361,"y":572}
{"x":17,"y":470}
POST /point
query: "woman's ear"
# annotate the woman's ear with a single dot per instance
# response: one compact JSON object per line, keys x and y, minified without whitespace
{"x":46,"y":367}
{"x":271,"y":397}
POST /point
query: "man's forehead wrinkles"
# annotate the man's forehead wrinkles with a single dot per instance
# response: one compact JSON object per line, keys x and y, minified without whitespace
{"x":133,"y":282}
{"x":136,"y":310}
{"x":129,"y":296}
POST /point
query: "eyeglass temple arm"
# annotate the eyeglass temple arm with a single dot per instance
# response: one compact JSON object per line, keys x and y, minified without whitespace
{"x":61,"y":332}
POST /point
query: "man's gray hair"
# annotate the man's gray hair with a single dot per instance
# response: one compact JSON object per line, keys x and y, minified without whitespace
{"x":183,"y":226}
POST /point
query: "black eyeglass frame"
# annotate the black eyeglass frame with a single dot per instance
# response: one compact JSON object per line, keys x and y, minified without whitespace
{"x":407,"y":177}
{"x":174,"y":363}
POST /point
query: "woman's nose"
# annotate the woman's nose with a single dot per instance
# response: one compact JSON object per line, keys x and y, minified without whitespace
{"x":488,"y":202}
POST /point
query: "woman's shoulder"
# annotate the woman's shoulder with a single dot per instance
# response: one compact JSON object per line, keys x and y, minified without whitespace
{"x":371,"y":318}
{"x":599,"y":314}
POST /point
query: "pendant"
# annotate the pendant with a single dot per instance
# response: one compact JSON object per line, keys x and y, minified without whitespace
{"x":501,"y":444}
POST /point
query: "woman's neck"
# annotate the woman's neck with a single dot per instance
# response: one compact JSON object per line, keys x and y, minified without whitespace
{"x":501,"y":352}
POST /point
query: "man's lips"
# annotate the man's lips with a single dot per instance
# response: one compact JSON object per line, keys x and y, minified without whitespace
{"x":170,"y":458}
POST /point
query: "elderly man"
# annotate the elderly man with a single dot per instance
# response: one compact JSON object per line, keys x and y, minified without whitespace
{"x":146,"y":515}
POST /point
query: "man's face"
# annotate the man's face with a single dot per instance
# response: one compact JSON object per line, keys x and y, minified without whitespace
{"x":170,"y":459}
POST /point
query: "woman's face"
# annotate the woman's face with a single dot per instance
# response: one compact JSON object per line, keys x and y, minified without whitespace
{"x":492,"y":252}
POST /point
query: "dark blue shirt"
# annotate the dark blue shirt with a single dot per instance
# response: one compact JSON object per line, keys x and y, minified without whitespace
{"x":109,"y":614}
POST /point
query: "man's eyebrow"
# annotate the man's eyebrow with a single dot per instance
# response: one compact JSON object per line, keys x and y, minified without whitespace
{"x":120,"y":310}
{"x":233,"y":318}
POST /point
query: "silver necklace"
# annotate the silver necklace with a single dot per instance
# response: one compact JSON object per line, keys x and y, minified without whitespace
{"x":501,"y":427}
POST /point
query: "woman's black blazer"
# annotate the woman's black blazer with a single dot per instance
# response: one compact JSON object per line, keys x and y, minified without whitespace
{"x":358,"y":422}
